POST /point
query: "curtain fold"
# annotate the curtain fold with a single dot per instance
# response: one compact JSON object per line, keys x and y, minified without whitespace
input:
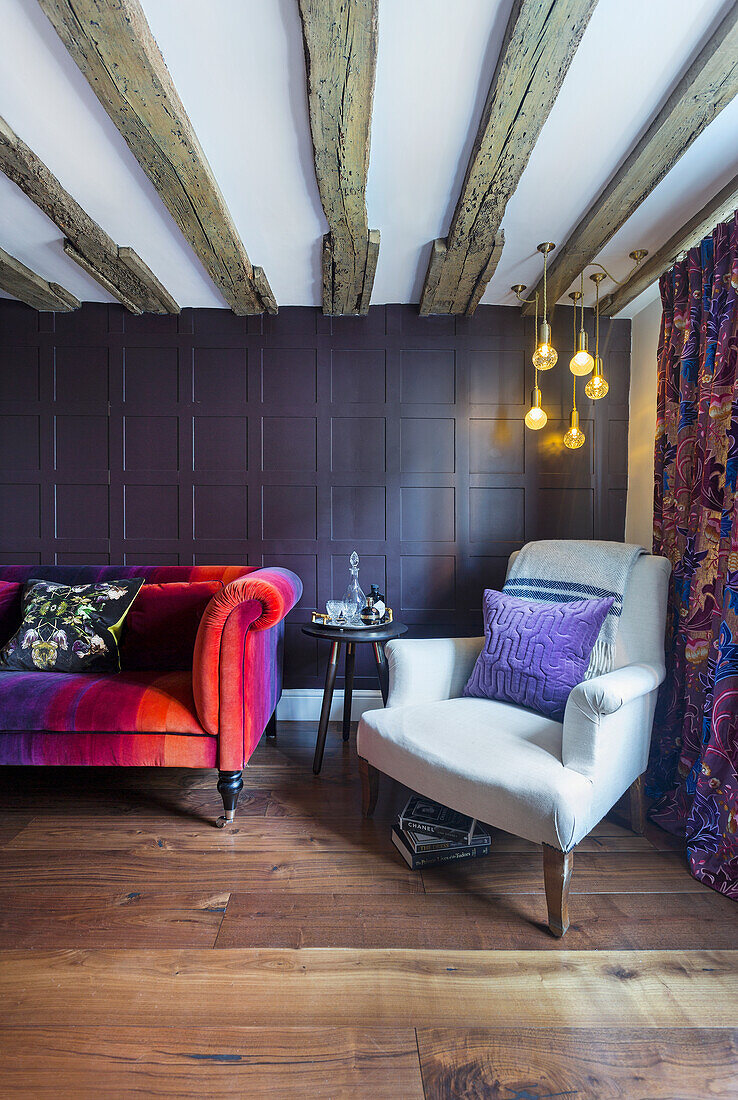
{"x":694,"y":756}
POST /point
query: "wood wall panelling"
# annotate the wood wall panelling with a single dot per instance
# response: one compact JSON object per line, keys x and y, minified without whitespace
{"x":296,"y":438}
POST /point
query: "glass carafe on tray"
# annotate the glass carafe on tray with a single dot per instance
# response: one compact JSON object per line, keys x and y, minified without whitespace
{"x":354,"y":599}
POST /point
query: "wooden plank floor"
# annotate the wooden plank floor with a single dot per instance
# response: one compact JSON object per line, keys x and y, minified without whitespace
{"x":144,"y":952}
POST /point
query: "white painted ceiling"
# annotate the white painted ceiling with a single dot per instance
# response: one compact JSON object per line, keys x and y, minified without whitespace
{"x":238,"y":66}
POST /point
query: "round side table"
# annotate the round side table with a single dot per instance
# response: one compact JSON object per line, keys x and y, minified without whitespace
{"x":339,"y":636}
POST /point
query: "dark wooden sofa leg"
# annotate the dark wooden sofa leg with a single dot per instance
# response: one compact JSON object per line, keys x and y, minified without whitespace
{"x":369,"y":787}
{"x":637,"y":802}
{"x":557,"y":868}
{"x":271,"y":726}
{"x":230,"y":785}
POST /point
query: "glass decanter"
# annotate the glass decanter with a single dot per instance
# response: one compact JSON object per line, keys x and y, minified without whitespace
{"x":354,"y":599}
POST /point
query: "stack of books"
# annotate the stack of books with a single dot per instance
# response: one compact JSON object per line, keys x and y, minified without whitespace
{"x":428,"y":833}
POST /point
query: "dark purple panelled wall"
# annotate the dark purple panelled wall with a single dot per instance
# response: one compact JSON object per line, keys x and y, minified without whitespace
{"x":293,"y":440}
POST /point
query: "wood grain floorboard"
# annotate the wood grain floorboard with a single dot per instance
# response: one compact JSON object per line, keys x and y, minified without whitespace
{"x":462,"y":921}
{"x":594,"y":872}
{"x":212,"y":871}
{"x":143,"y":952}
{"x":11,"y":825}
{"x":201,"y":988}
{"x":224,"y":1063}
{"x":200,"y":807}
{"x":660,"y":1064}
{"x":106,"y":917}
{"x":263,"y":834}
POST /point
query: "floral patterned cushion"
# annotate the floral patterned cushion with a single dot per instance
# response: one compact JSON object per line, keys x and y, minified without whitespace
{"x":70,"y":628}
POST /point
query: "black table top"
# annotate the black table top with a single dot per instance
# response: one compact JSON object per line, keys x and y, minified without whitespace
{"x":347,"y":634}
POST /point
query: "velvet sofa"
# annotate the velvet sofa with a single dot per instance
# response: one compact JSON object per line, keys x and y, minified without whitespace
{"x":209,"y":713}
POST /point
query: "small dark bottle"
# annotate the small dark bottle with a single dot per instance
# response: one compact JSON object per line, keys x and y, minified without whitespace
{"x":373,"y":611}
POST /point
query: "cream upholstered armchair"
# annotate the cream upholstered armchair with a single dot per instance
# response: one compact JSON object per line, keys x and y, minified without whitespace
{"x":549,"y":782}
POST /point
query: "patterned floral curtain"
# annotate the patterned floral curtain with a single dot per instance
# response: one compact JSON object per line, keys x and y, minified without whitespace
{"x":694,"y":757}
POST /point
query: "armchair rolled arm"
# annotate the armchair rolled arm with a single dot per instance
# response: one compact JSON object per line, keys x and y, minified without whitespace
{"x":429,"y":669}
{"x":235,"y":670}
{"x":610,"y":715}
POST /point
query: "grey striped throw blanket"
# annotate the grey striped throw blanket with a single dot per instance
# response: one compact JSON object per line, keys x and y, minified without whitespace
{"x":569,"y":570}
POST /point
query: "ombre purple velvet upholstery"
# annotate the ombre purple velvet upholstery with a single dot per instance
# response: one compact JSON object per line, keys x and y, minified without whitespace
{"x":84,"y":702}
{"x":160,"y":629}
{"x":152,"y":574}
{"x":11,"y":601}
{"x":153,"y":717}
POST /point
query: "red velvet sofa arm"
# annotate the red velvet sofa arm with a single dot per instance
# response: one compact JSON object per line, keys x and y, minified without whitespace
{"x":236,"y":668}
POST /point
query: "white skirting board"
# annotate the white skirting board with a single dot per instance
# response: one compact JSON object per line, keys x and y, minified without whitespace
{"x":303,"y":704}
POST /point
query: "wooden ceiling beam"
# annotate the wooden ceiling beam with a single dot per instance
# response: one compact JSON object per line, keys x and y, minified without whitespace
{"x":21,"y":165}
{"x":105,"y":283}
{"x":114,"y":48}
{"x":717,"y":210}
{"x":708,"y":85}
{"x":144,"y":274}
{"x":539,"y":44}
{"x":26,"y":285}
{"x":340,"y":39}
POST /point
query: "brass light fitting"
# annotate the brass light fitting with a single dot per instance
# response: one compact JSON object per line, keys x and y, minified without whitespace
{"x":581,"y":362}
{"x":536,"y":416}
{"x":637,"y":256}
{"x":545,"y":356}
{"x":574,"y":438}
{"x":597,"y":387}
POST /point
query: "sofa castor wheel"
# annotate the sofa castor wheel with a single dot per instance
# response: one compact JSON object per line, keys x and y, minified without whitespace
{"x":221,"y":822}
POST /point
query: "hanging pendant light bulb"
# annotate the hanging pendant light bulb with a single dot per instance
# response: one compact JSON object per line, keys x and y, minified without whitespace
{"x":545,"y":356}
{"x":574,"y":438}
{"x":581,"y":362}
{"x":597,"y":386}
{"x":535,"y":417}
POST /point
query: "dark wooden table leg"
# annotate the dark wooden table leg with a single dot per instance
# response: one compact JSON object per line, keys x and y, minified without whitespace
{"x":330,"y":680}
{"x":348,"y":688}
{"x":382,"y":670}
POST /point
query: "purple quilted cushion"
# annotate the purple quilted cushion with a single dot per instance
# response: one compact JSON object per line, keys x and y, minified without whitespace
{"x":534,"y":652}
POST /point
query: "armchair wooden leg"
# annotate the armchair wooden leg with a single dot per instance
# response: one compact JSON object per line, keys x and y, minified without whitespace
{"x":557,"y":868}
{"x":369,"y":787}
{"x":637,"y":802}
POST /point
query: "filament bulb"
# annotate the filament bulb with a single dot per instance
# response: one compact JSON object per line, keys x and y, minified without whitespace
{"x":597,"y":385}
{"x":574,"y":438}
